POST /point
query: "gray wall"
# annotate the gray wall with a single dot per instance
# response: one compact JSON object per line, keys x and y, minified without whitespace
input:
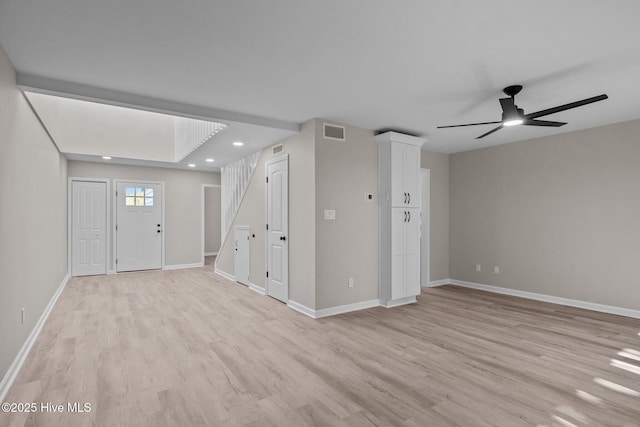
{"x":33,"y":217}
{"x":212,"y":227}
{"x":347,"y":247}
{"x":183,"y":233}
{"x":560,"y":215}
{"x":438,"y":164}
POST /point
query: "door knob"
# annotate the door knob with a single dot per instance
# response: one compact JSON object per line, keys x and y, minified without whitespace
{"x":283,"y":238}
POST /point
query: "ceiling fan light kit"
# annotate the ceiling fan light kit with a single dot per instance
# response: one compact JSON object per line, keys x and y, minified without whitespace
{"x":514,"y":116}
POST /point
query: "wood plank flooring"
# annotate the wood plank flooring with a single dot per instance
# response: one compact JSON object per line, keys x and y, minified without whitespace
{"x":187,"y":348}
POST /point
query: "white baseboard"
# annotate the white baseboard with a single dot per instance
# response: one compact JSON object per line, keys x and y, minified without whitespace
{"x":11,"y":374}
{"x":332,"y":311}
{"x":302,"y":309}
{"x":550,"y":298}
{"x":398,"y":302}
{"x":211,"y":254}
{"x":258,"y":289}
{"x":224,"y":274}
{"x":340,"y":309}
{"x":181,"y":266}
{"x":435,"y":283}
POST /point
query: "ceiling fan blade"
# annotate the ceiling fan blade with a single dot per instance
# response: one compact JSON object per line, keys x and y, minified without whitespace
{"x":565,"y":107}
{"x":490,"y":132}
{"x":531,"y":122}
{"x":468,"y":124}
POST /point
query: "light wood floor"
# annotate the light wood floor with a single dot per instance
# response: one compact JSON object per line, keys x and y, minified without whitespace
{"x":187,"y":348}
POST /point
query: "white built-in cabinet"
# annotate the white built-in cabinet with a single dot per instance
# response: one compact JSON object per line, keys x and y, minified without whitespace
{"x":399,"y":218}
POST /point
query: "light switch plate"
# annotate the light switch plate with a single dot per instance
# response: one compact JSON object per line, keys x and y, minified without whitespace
{"x":329,"y":214}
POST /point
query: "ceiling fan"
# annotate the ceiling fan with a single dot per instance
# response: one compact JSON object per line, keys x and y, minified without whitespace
{"x":513,"y":116}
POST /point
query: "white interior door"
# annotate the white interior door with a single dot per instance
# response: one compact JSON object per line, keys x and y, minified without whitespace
{"x":278,"y":229}
{"x":242,"y":254}
{"x":425,"y":213}
{"x":89,"y":226}
{"x":139,"y":226}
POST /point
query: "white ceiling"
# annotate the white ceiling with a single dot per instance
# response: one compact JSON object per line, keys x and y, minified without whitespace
{"x":87,"y":131}
{"x":407,"y":65}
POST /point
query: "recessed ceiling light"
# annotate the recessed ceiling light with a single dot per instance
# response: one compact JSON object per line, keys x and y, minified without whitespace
{"x":191,"y":165}
{"x":106,"y":157}
{"x":238,"y":143}
{"x":210,"y":160}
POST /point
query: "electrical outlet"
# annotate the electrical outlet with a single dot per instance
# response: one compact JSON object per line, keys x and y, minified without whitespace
{"x":478,"y":267}
{"x":496,"y":269}
{"x":351,"y":282}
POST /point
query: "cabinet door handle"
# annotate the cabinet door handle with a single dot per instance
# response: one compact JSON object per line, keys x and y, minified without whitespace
{"x":409,"y":194}
{"x":405,"y":216}
{"x":405,"y":198}
{"x":409,"y":216}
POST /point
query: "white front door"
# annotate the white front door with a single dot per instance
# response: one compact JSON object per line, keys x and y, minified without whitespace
{"x":242,"y":259}
{"x":88,"y":229}
{"x":139,"y":226}
{"x":278,"y":229}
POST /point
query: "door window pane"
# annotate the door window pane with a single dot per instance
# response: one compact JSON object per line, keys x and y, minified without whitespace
{"x":135,"y":196}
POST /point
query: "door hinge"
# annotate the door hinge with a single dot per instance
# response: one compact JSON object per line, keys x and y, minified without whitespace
{"x":267,"y":274}
{"x":267,"y":180}
{"x":116,"y":193}
{"x":116,"y":227}
{"x":267,"y":226}
{"x":116,"y":260}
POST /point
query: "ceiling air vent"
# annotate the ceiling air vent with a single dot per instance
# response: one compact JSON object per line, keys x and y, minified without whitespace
{"x":277,"y":149}
{"x":334,"y":132}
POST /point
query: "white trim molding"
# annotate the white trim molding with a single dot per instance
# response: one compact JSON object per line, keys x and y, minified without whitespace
{"x":341,"y":309}
{"x":12,"y":373}
{"x":440,"y":282}
{"x":400,"y":301}
{"x":181,"y":266}
{"x":332,"y":311}
{"x":224,"y":274}
{"x":258,"y":289}
{"x":302,"y":308}
{"x":550,"y":298}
